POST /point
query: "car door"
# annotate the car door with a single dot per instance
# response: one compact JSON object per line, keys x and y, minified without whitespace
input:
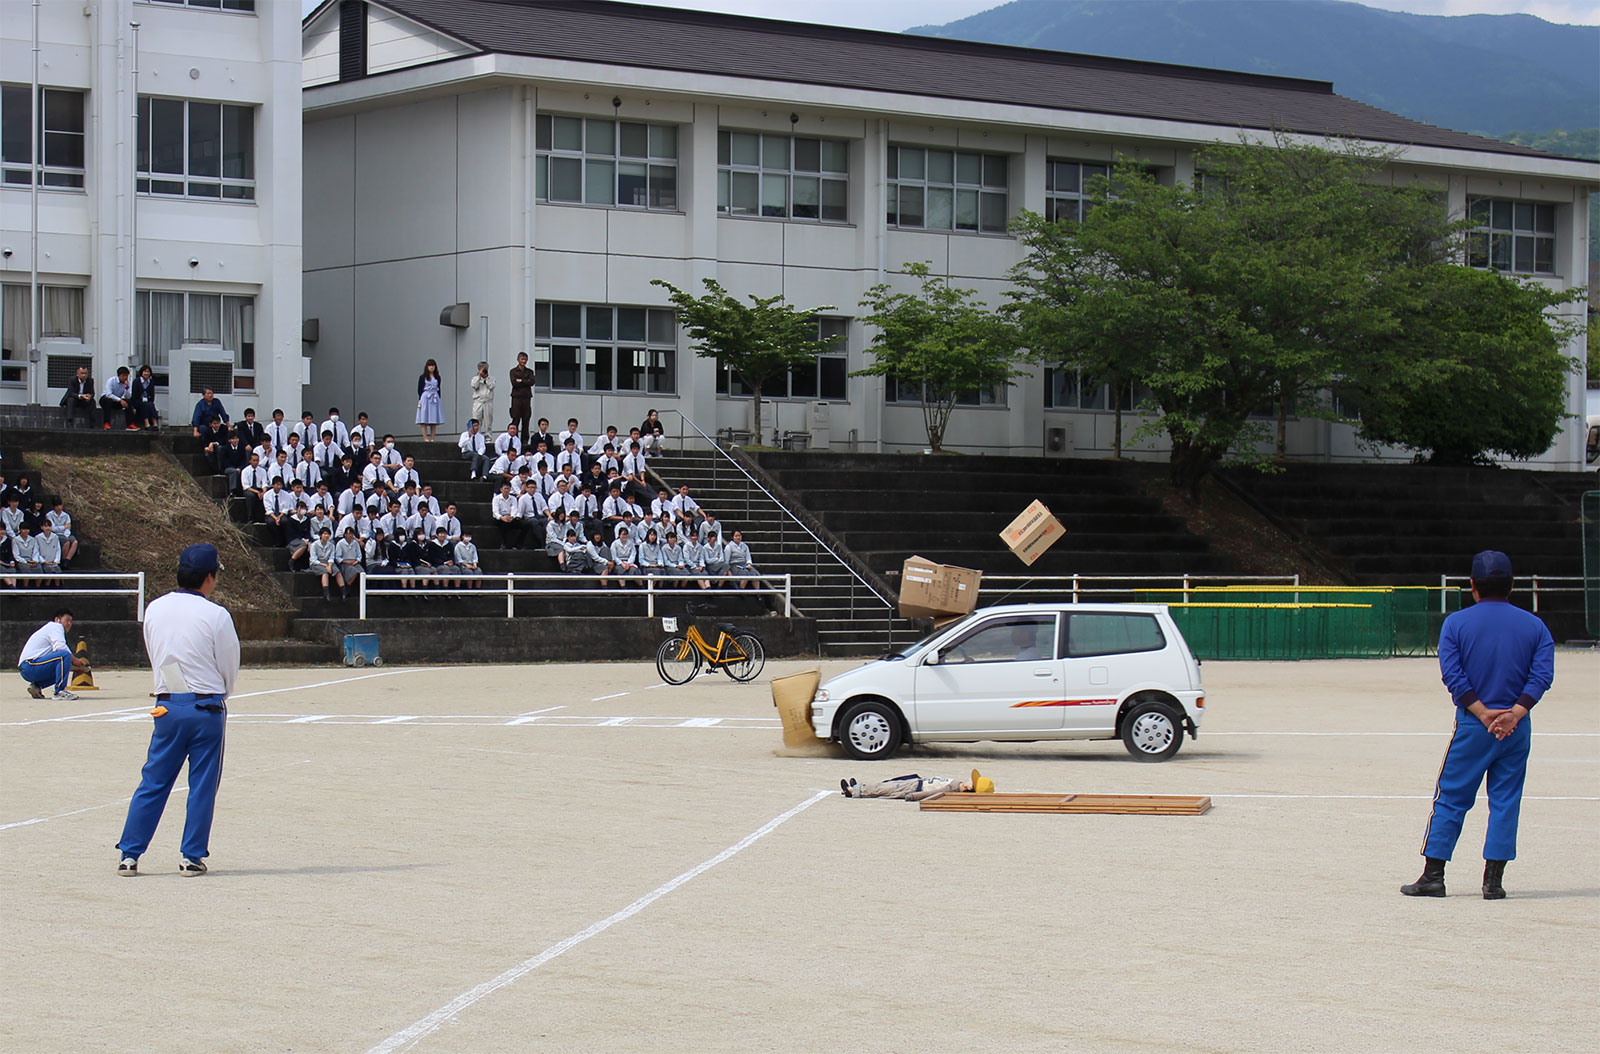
{"x":1106,"y":652}
{"x":1000,"y":676}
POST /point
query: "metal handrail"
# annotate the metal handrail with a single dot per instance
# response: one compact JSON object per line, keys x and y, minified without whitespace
{"x":1551,"y":584}
{"x":137,"y":591}
{"x":1075,"y":583}
{"x":507,"y":587}
{"x":786,"y":511}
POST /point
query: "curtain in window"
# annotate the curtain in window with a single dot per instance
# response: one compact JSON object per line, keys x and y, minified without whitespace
{"x":205,"y":319}
{"x":63,"y":312}
{"x":165,"y":326}
{"x":239,"y":330}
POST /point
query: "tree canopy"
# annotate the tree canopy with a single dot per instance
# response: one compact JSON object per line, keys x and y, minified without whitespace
{"x":761,"y":340}
{"x":940,"y":342}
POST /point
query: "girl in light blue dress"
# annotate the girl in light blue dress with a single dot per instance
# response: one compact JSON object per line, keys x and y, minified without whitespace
{"x":430,"y":404}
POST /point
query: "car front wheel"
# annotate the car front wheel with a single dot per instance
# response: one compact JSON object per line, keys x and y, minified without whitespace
{"x":869,"y":731}
{"x":1152,"y":731}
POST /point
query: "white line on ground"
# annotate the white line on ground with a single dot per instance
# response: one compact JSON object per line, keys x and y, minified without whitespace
{"x":701,"y":722}
{"x":342,"y":680}
{"x":402,"y":719}
{"x":178,"y":789}
{"x":613,"y":695}
{"x":546,"y":710}
{"x":407,"y":1036}
{"x":73,"y":717}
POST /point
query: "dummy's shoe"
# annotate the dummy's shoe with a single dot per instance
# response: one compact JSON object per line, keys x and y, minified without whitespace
{"x":844,"y":788}
{"x":66,"y":695}
{"x":1431,"y":884}
{"x":1493,"y":872}
{"x":35,"y":691}
{"x":190,"y":868}
{"x":129,"y":867}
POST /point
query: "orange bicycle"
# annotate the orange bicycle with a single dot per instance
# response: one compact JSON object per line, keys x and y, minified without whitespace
{"x":738,"y":653}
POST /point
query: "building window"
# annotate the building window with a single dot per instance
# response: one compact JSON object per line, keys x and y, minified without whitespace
{"x":1066,"y":389}
{"x":944,"y":190}
{"x":822,"y":379}
{"x":1068,"y":189}
{"x":164,"y":322}
{"x":214,"y":5}
{"x":196,"y":149}
{"x":594,"y":348}
{"x":61,"y":317}
{"x":782,"y":176}
{"x":1516,"y":236}
{"x":60,"y":136}
{"x":620,"y":164}
{"x":910,"y":392}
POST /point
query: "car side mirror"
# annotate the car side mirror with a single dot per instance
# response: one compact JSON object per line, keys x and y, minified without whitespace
{"x":933,"y":659}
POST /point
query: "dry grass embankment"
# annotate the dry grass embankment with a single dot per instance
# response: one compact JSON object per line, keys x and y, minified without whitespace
{"x":142,"y":510}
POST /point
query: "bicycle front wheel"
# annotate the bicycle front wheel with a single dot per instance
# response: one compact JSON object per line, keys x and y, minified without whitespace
{"x":751,"y":660}
{"x":677,"y":661}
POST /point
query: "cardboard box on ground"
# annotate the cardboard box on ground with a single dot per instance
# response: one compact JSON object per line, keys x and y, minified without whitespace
{"x":1029,"y":535}
{"x":933,"y":590}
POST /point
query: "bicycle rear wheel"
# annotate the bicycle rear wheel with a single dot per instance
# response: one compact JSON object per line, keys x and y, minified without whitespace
{"x":677,"y":661}
{"x":753,"y":661}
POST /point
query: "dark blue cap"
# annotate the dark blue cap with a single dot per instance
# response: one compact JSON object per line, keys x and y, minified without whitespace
{"x":1491,"y":563}
{"x":200,"y":558}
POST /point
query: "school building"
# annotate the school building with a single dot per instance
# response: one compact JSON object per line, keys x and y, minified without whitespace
{"x":155,"y":207}
{"x":484,"y":177}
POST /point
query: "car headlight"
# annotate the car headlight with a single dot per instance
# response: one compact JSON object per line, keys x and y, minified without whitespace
{"x":821,"y":696}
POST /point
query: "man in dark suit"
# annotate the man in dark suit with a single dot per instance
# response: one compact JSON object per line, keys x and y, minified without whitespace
{"x":250,"y":431}
{"x":79,"y":400}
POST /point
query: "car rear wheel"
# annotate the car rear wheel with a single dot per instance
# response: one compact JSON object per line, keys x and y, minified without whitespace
{"x":869,"y":731}
{"x":1152,"y":731}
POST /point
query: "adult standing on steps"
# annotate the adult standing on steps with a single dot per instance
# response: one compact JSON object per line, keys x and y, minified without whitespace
{"x":1497,"y":661}
{"x":194,"y":652}
{"x":522,"y":395}
{"x":483,"y":397}
{"x":430,"y":401}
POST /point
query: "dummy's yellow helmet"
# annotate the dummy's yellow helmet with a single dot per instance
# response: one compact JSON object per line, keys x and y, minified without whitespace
{"x":981,"y":784}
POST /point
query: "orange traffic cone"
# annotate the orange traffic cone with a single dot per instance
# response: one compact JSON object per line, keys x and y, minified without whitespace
{"x":83,"y":680}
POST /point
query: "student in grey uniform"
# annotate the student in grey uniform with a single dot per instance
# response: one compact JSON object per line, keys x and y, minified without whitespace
{"x":599,"y":554}
{"x":467,"y":560}
{"x":716,"y":555}
{"x":47,"y":550}
{"x":650,"y":555}
{"x":376,"y":553}
{"x":574,"y":553}
{"x":739,"y":565}
{"x":441,"y":557}
{"x":625,"y":557}
{"x":674,"y":560}
{"x":348,"y":555}
{"x":709,"y":526}
{"x":694,"y":558}
{"x":325,"y":560}
{"x":62,"y":523}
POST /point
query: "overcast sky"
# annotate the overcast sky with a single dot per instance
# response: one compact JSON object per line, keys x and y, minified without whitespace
{"x":900,"y":14}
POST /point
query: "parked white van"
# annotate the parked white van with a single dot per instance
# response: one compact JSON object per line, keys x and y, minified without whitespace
{"x":1020,"y":673}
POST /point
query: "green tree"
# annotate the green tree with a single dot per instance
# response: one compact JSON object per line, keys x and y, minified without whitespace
{"x":1228,"y":296}
{"x":762,"y":340}
{"x":940,"y":341}
{"x":1484,"y":376}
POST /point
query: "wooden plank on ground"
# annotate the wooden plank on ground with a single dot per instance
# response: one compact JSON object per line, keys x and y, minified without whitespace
{"x":1115,"y":804}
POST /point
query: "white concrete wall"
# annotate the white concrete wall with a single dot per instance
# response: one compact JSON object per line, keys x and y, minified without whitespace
{"x":86,"y":237}
{"x":420,"y":230}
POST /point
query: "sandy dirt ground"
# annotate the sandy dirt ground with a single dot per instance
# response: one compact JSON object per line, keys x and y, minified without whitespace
{"x":577,"y":858}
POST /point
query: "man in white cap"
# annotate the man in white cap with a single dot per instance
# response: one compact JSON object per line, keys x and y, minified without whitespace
{"x":194,"y":652}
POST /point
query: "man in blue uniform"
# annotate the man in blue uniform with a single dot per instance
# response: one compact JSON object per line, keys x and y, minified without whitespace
{"x":1497,"y":661}
{"x":194,"y":652}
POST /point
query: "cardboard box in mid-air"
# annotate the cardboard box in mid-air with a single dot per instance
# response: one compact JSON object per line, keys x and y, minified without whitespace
{"x":1030,"y":534}
{"x":930,"y":589}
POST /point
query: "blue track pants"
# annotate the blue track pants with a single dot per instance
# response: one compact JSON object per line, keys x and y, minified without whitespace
{"x":50,"y":668}
{"x":1474,"y":754}
{"x":184,"y":731}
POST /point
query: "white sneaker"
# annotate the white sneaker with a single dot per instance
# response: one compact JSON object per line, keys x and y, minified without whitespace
{"x":34,"y":691}
{"x":190,"y":868}
{"x":129,"y":867}
{"x":68,"y":696}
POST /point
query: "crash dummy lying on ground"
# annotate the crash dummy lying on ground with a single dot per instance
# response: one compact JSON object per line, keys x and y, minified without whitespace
{"x":916,"y":788}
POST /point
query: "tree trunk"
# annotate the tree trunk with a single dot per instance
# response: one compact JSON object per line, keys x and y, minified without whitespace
{"x":1116,"y":404}
{"x":1188,"y":467}
{"x":1283,"y":423}
{"x":755,"y":413}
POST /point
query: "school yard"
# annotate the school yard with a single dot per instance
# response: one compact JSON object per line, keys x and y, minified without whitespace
{"x":577,"y":858}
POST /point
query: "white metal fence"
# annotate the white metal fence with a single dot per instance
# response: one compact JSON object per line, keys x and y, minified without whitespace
{"x":512,"y":586}
{"x":1535,"y":584}
{"x":67,"y":586}
{"x":1038,"y":587}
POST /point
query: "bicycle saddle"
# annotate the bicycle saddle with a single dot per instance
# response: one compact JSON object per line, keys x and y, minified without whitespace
{"x":729,"y":628}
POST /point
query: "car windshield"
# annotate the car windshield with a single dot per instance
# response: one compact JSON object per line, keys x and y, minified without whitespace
{"x":911,"y":651}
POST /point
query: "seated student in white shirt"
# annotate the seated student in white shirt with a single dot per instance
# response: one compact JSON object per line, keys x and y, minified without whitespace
{"x":504,"y":467}
{"x":467,"y":561}
{"x":293,"y":448}
{"x":362,"y":434}
{"x":571,"y":432}
{"x":598,"y":447}
{"x":427,"y":504}
{"x":306,"y":430}
{"x":450,"y":520}
{"x":62,"y":523}
{"x":253,"y":485}
{"x":535,"y":454}
{"x":474,"y":447}
{"x":544,"y":481}
{"x":534,"y":512}
{"x":350,"y":498}
{"x":358,"y":521}
{"x":348,"y":554}
{"x":277,"y":431}
{"x":685,"y":507}
{"x":507,"y":519}
{"x":280,"y":467}
{"x":277,"y":504}
{"x":377,"y":502}
{"x":324,"y":560}
{"x":598,"y":554}
{"x":571,"y":455}
{"x":625,"y":558}
{"x":634,"y":468}
{"x":308,"y":471}
{"x":661,"y":505}
{"x":327,"y":452}
{"x":340,"y":432}
{"x":508,"y":441}
{"x":323,"y":497}
{"x":375,"y":471}
{"x":710,"y":527}
{"x":609,"y":462}
{"x":406,"y":473}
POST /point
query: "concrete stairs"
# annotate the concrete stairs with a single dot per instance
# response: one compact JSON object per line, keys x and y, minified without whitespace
{"x":851,"y":619}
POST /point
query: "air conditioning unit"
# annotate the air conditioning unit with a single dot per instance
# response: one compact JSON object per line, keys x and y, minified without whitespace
{"x":1058,"y":440}
{"x":820,"y":420}
{"x":61,"y":359}
{"x":191,"y":369}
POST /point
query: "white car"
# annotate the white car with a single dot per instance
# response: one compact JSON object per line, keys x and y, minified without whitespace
{"x":1020,"y":673}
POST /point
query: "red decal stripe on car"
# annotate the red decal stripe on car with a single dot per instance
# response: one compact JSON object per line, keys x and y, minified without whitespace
{"x":1065,"y":702}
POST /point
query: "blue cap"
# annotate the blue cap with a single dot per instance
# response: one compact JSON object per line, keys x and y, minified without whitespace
{"x":1491,"y":563}
{"x":200,"y":558}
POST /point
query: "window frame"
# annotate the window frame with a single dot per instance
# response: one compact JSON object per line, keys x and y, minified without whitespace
{"x":147,"y":178}
{"x":659,"y":353}
{"x":765,"y":171}
{"x":1081,"y":198}
{"x":545,"y":150}
{"x":1484,"y":239}
{"x":16,"y":376}
{"x":51,"y":176}
{"x":983,"y":191}
{"x":730,"y":386}
{"x":1055,"y":639}
{"x":1064,"y":646}
{"x":145,"y":351}
{"x":984,"y":399}
{"x":230,"y":7}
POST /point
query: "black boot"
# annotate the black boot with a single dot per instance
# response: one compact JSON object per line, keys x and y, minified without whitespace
{"x":1493,"y":872}
{"x":325,"y":594}
{"x":1431,"y":884}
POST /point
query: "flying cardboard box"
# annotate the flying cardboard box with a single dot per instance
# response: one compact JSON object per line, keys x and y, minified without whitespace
{"x":930,"y":589}
{"x":1030,"y":534}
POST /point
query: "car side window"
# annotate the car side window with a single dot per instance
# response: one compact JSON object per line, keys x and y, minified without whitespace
{"x":1109,"y":633}
{"x":1021,"y":638}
